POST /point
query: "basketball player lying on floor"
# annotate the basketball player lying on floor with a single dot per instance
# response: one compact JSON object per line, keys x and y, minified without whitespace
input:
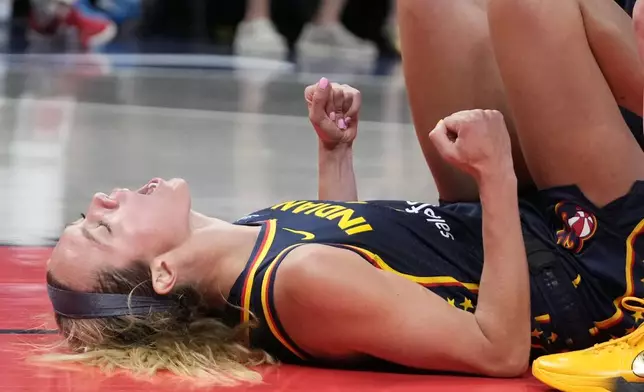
{"x":349,"y":283}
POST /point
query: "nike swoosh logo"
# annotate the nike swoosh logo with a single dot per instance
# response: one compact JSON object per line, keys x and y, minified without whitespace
{"x":638,"y":365}
{"x":307,"y":236}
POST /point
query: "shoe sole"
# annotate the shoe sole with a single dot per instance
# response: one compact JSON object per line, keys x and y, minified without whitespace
{"x":554,"y":380}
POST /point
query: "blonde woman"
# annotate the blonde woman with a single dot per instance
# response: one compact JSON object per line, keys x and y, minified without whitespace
{"x":142,"y":282}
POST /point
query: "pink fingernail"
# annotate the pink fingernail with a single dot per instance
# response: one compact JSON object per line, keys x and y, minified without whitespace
{"x":324,"y":82}
{"x":342,"y":124}
{"x":348,"y":121}
{"x":332,"y":116}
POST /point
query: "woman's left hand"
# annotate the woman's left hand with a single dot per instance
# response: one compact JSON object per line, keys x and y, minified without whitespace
{"x":333,"y":112}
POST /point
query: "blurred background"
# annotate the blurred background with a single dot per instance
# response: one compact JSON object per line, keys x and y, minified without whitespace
{"x":270,"y":28}
{"x":98,"y":94}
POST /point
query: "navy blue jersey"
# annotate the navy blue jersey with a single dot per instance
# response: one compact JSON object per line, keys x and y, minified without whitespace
{"x":438,"y":247}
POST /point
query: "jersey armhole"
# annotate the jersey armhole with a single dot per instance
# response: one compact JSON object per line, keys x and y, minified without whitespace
{"x":366,"y":255}
{"x":269,"y":310}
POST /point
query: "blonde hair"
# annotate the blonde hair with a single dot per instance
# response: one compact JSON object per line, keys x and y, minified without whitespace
{"x":189,"y":341}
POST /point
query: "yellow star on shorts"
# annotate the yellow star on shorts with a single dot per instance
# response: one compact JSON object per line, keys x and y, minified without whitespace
{"x":536,"y":333}
{"x":637,"y":316}
{"x":467,"y":304}
{"x":451,"y":302}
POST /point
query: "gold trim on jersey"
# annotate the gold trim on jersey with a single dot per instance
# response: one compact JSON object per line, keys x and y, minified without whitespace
{"x":429,"y":281}
{"x":577,"y":281}
{"x":543,"y":319}
{"x":260,"y":254}
{"x":617,"y":317}
{"x":265,"y":295}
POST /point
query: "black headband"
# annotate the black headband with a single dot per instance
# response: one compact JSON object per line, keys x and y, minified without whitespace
{"x":79,"y":305}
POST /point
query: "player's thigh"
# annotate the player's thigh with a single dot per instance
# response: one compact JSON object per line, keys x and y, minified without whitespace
{"x":449,"y":66}
{"x":569,"y":125}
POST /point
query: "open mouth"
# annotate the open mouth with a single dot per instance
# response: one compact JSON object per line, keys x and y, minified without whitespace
{"x":150,"y":187}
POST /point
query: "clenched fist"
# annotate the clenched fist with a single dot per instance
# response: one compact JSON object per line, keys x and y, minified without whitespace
{"x":475,"y":141}
{"x":333,"y":112}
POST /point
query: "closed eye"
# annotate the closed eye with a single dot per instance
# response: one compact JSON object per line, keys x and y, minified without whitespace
{"x":107,"y":226}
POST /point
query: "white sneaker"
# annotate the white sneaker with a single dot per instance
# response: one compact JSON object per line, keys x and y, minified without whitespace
{"x":259,"y":37}
{"x":329,"y":37}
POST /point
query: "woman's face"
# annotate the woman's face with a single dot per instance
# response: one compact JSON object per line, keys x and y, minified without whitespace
{"x":121,"y":228}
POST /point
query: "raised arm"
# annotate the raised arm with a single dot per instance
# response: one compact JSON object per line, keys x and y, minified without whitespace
{"x":335,"y":305}
{"x":333,"y":111}
{"x":477,"y":142}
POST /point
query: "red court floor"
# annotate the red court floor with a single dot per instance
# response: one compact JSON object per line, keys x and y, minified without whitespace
{"x":24,"y":320}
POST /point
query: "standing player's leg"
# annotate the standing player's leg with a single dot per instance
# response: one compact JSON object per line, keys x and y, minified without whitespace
{"x":569,"y":125}
{"x":611,"y":37}
{"x":449,"y":66}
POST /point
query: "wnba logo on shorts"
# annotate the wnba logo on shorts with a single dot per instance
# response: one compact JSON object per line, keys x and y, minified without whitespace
{"x":579,"y":226}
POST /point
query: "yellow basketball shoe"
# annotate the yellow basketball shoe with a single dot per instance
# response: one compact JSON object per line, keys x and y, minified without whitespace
{"x":615,"y":365}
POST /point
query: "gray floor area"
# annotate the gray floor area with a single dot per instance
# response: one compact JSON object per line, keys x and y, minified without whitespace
{"x":239,"y":136}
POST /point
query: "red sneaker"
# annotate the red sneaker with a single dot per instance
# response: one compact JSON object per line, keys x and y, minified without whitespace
{"x":94,"y":29}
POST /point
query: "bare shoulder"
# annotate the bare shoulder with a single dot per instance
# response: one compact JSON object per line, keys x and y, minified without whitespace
{"x":313,"y":297}
{"x":319,"y":252}
{"x":313,"y":269}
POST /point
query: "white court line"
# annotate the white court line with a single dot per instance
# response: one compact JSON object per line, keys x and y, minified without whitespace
{"x":168,"y":60}
{"x":146,"y":65}
{"x":280,"y":119}
{"x":301,"y":77}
